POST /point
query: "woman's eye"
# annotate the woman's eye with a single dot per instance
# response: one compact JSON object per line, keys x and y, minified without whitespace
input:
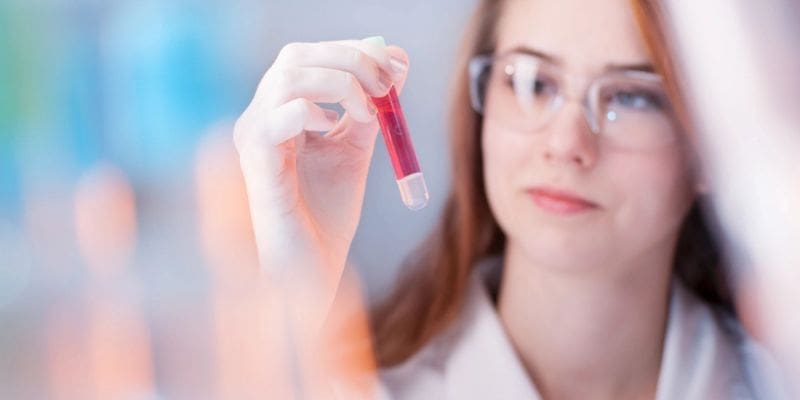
{"x":538,"y":86}
{"x":637,"y":100}
{"x":542,"y":87}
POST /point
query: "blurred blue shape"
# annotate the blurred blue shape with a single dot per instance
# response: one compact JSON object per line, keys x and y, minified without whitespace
{"x":162,"y":82}
{"x":80,"y":94}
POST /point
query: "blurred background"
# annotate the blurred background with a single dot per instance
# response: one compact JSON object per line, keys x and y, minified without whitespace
{"x":127,"y":267}
{"x":119,"y":183}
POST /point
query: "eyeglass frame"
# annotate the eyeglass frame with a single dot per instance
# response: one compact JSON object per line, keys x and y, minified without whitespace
{"x":478,"y":63}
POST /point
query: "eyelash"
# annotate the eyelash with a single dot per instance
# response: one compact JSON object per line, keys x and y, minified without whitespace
{"x":540,"y":83}
{"x":653,"y":101}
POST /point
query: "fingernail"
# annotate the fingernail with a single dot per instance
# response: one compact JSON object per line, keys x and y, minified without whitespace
{"x":385,"y":82}
{"x":372,"y":109}
{"x":398,"y":65}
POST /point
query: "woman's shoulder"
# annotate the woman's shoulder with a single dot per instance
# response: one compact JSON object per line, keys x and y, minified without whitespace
{"x":760,"y":369}
{"x":707,"y":351}
{"x":419,"y":377}
{"x":471,"y":359}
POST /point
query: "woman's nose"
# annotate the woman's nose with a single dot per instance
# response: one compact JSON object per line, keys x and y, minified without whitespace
{"x":569,"y":138}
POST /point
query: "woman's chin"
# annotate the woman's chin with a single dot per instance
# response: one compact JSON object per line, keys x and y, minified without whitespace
{"x":564,"y":253}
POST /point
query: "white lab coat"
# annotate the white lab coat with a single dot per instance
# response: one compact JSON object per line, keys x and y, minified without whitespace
{"x":705,"y":356}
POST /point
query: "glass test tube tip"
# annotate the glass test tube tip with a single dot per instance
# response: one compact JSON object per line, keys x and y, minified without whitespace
{"x":413,"y":191}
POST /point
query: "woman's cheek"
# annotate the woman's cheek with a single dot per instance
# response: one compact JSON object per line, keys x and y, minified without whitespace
{"x":491,"y":173}
{"x":505,"y":159}
{"x":657,"y":188}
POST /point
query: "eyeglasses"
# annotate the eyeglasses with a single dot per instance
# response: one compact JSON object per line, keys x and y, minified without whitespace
{"x":628,"y":109}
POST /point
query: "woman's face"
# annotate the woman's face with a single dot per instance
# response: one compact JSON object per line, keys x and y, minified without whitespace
{"x":637,"y":198}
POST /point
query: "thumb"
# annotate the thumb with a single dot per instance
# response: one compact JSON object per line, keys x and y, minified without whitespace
{"x":400,"y":62}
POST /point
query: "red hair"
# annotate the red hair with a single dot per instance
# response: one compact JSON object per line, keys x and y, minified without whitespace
{"x":429,"y":296}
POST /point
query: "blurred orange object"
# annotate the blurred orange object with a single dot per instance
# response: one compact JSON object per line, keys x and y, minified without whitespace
{"x":98,"y":344}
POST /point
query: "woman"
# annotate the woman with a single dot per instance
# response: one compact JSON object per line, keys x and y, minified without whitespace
{"x":571,"y":260}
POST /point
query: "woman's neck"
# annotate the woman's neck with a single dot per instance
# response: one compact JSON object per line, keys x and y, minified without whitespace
{"x":597,"y":333}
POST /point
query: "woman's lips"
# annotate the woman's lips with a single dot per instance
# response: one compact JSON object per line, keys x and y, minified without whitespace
{"x":560,"y":201}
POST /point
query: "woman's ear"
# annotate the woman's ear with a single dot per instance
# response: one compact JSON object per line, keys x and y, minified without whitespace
{"x":701,"y":186}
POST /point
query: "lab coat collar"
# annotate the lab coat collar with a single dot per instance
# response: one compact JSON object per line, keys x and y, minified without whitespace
{"x":698,"y":359}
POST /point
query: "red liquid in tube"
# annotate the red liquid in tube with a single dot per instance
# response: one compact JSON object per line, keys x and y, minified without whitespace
{"x":396,"y":136}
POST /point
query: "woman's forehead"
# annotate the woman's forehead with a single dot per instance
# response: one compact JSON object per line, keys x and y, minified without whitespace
{"x":586,"y":35}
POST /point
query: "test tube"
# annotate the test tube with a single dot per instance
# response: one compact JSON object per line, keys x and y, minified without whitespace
{"x":397,"y":138}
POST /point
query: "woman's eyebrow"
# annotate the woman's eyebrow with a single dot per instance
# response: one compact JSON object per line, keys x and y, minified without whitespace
{"x":643,"y":67}
{"x":537,"y":53}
